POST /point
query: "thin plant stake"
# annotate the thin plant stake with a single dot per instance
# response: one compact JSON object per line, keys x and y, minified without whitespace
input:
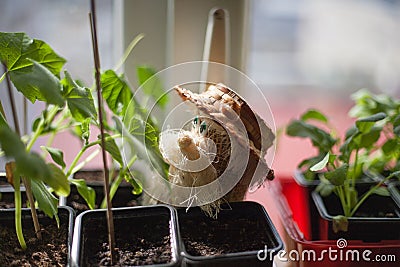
{"x":110,"y":221}
{"x":27,"y":182}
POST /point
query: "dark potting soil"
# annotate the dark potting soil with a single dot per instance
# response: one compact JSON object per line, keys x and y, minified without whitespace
{"x":144,"y":243}
{"x":52,"y":250}
{"x":204,"y":236}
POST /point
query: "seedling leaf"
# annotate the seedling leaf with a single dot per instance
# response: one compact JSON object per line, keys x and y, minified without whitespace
{"x":112,"y":148}
{"x":152,"y":85}
{"x":88,"y":193}
{"x":381,"y":191}
{"x":320,"y":165}
{"x":47,"y":202}
{"x":116,"y":92}
{"x":338,"y":175}
{"x":320,"y":138}
{"x":56,"y":154}
{"x":313,"y":114}
{"x":365,"y":124}
{"x":57,"y":181}
{"x":79,"y":99}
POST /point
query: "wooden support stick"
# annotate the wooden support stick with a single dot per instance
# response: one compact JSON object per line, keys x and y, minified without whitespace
{"x":110,"y":221}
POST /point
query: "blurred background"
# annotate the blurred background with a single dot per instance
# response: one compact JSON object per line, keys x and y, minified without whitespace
{"x":301,"y":53}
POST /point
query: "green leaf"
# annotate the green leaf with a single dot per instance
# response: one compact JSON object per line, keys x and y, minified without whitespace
{"x":2,"y":114}
{"x":353,"y":197}
{"x":116,"y":92}
{"x":36,"y":82}
{"x":85,"y":130}
{"x":17,"y":50}
{"x":33,"y":166}
{"x":112,"y":148}
{"x":29,"y":164}
{"x":325,"y":188}
{"x":370,"y":138}
{"x":320,"y":165}
{"x":381,"y":191}
{"x":319,"y":138}
{"x":350,"y":144}
{"x":368,"y":104}
{"x":142,"y":139}
{"x":396,"y":121}
{"x":57,"y":180}
{"x":396,"y":131}
{"x":56,"y":154}
{"x":88,"y":193}
{"x":365,"y":124}
{"x":338,"y":175}
{"x":340,"y":223}
{"x":79,"y":99}
{"x":10,"y":142}
{"x":315,"y":115}
{"x":308,"y":162}
{"x":47,"y":202}
{"x":152,"y":85}
{"x":137,"y":187}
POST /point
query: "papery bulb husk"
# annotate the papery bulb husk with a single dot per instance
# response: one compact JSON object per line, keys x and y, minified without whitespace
{"x":258,"y":137}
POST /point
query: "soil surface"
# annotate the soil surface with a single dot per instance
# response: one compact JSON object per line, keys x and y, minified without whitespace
{"x":52,"y":250}
{"x":145,"y":242}
{"x":203,"y":236}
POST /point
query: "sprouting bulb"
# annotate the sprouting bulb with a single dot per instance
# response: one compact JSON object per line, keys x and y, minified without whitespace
{"x":203,"y":128}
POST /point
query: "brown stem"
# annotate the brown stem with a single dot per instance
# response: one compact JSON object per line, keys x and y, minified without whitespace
{"x":110,"y":221}
{"x":28,"y":188}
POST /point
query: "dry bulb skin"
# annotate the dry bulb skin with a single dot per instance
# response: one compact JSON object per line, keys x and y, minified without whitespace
{"x":212,"y":148}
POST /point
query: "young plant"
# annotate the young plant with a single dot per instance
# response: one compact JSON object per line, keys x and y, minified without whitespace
{"x":341,"y":161}
{"x":387,"y":157}
{"x":34,"y":69}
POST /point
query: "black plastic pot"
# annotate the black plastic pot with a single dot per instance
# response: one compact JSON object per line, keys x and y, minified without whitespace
{"x":122,"y":198}
{"x":7,"y":197}
{"x":238,"y":225}
{"x":65,"y":214}
{"x":369,"y":224}
{"x":3,"y":179}
{"x":148,"y":223}
{"x":306,"y":188}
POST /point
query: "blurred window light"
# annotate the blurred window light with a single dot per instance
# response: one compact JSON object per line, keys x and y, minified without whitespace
{"x":328,"y":44}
